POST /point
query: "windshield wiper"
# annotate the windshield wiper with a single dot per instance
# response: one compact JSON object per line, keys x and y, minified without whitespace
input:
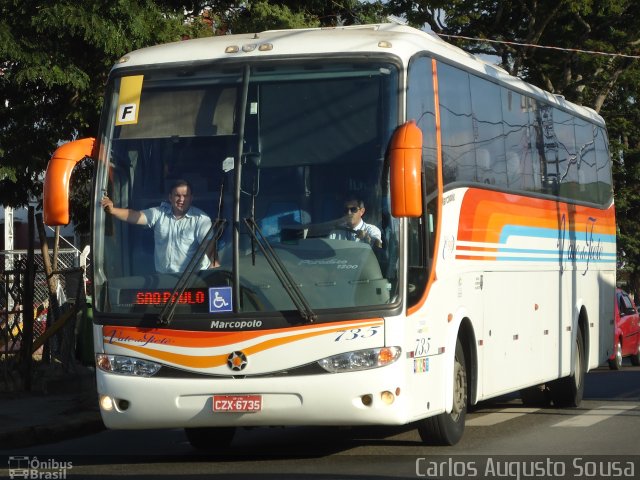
{"x":290,"y":286}
{"x":213,"y":235}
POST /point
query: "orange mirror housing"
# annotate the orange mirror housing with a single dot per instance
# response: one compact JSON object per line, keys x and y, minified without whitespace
{"x":406,"y":171}
{"x":56,"y":180}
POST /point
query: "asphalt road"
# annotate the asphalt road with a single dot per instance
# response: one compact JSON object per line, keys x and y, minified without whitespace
{"x":503,"y":439}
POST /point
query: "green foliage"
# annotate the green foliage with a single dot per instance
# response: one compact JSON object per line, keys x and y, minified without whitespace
{"x":54,"y":60}
{"x":622,"y":113}
{"x":261,"y":15}
{"x":55,"y":56}
{"x":342,"y":12}
{"x":607,"y":83}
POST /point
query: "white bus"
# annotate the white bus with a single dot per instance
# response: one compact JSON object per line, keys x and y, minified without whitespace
{"x":494,"y":271}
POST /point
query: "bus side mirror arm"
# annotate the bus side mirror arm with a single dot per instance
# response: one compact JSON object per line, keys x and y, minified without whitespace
{"x":406,"y":171}
{"x":55,"y":197}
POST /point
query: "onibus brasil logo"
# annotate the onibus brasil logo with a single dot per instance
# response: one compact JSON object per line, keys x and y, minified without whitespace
{"x":32,"y":467}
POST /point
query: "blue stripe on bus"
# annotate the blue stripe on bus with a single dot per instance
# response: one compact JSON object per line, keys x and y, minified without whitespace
{"x":556,"y":259}
{"x":554,"y":255}
{"x":553,"y":251}
{"x":522,"y":231}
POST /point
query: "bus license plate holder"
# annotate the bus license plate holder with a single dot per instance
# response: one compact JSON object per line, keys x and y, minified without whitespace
{"x":237,"y":403}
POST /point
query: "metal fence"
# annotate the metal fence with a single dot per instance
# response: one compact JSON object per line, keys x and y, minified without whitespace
{"x":69,"y":281}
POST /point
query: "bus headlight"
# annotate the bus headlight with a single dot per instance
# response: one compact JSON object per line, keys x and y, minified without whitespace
{"x":122,"y":365}
{"x":360,"y":359}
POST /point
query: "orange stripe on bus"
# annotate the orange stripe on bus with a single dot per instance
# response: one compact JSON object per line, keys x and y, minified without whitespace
{"x":208,"y":361}
{"x":473,"y":257}
{"x":190,"y":338}
{"x":202,"y":361}
{"x":476,"y":248}
{"x":484,"y":213}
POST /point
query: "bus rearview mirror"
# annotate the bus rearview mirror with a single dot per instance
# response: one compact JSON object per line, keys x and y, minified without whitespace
{"x":406,"y":171}
{"x":56,"y":179}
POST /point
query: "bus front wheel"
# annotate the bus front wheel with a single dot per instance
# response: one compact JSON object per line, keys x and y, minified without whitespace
{"x":447,"y":428}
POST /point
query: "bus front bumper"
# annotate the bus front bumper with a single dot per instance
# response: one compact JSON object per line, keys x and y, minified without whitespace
{"x":370,"y":397}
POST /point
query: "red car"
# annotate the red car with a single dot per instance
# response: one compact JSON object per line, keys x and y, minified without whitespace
{"x":627,"y":331}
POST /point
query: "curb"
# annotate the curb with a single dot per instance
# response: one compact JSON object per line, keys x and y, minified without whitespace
{"x":83,"y":423}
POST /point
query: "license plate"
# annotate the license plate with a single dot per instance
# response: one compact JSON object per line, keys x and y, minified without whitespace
{"x":237,"y":403}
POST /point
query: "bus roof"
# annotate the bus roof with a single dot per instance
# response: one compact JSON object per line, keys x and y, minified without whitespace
{"x":391,"y":38}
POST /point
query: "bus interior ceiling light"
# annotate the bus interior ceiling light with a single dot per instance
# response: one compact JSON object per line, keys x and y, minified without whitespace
{"x":360,"y":360}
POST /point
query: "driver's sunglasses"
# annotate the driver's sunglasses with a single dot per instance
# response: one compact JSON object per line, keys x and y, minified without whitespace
{"x":351,"y":209}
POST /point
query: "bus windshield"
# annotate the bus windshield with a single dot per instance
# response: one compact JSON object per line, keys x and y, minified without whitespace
{"x":285,"y":167}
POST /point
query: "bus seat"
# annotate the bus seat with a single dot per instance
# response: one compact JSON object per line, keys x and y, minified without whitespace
{"x":280,"y":214}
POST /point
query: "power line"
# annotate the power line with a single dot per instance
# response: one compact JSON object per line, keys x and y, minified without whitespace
{"x":577,"y":50}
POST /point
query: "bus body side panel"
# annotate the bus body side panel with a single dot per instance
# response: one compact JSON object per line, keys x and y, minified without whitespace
{"x":535,"y":264}
{"x":605,"y":322}
{"x":452,"y":300}
{"x":427,"y":365}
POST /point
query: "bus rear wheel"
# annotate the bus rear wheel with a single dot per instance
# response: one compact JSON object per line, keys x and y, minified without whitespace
{"x":568,"y":391}
{"x":447,"y":428}
{"x":209,"y":439}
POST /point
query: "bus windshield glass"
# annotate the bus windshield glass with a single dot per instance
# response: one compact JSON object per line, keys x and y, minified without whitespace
{"x":283,"y":167}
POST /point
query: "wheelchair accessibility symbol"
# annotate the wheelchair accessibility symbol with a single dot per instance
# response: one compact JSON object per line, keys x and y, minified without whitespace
{"x":220,"y":299}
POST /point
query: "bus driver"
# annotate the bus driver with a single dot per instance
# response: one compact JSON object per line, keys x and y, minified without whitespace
{"x":357,"y":229}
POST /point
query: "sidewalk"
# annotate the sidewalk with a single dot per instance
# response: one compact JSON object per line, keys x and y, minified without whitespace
{"x":57,"y":408}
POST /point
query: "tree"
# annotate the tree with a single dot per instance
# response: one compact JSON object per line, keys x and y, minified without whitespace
{"x":623,"y":117}
{"x":514,"y":30}
{"x":263,"y":15}
{"x":54,"y":59}
{"x":259,"y":15}
{"x":606,"y":82}
{"x":55,"y":56}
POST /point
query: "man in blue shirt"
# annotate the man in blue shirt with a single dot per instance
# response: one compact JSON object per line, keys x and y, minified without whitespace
{"x":178,"y":227}
{"x":357,"y":229}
